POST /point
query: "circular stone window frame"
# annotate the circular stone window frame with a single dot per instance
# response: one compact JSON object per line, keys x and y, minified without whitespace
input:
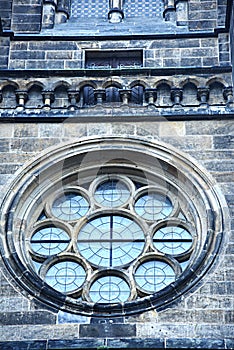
{"x":36,"y":178}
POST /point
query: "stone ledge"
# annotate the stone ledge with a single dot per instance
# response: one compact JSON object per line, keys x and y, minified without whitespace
{"x":102,"y":344}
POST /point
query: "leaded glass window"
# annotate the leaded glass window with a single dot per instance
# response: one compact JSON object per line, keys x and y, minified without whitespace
{"x":125,"y":232}
{"x":110,"y":227}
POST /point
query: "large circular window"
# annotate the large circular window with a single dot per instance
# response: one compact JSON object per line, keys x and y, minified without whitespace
{"x":110,"y":227}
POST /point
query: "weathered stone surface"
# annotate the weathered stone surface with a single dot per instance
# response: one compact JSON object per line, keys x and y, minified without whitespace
{"x":107,"y":330}
{"x":36,"y":317}
{"x":189,"y":52}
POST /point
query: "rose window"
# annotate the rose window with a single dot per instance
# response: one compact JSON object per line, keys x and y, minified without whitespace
{"x":113,"y":229}
{"x":113,"y":240}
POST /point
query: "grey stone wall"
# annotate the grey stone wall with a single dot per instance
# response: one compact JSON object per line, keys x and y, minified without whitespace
{"x":202,"y":15}
{"x":206,"y":312}
{"x":26,"y":16}
{"x":204,"y":317}
{"x":170,"y":53}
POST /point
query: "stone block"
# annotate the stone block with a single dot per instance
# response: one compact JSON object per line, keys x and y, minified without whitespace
{"x":19,"y":45}
{"x":147,"y":129}
{"x":172,"y":129}
{"x":229,"y":316}
{"x":71,"y":64}
{"x":217,"y":127}
{"x":191,"y":62}
{"x":50,"y":130}
{"x":27,"y":55}
{"x":76,"y":130}
{"x":221,"y":165}
{"x":13,"y":303}
{"x":75,"y":344}
{"x":224,"y":56}
{"x":171,"y":62}
{"x":52,"y":45}
{"x":209,"y":316}
{"x":223,"y":142}
{"x":189,"y":143}
{"x":23,"y":318}
{"x":122,"y":129}
{"x":107,"y":330}
{"x":25,"y":130}
{"x":4,"y":145}
{"x":178,"y":43}
{"x":189,"y":343}
{"x":17,"y":345}
{"x":43,"y":64}
{"x":6,"y":130}
{"x":149,"y":343}
{"x":202,"y":25}
{"x":213,"y":331}
{"x":33,"y":144}
{"x":210,"y":61}
{"x":58,"y":55}
{"x":17,"y":64}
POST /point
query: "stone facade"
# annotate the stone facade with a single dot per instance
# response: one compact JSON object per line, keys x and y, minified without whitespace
{"x":184,"y":100}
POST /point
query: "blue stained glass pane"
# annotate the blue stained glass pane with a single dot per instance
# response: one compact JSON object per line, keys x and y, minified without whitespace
{"x":154,"y":275}
{"x":70,"y":206}
{"x":111,"y":241}
{"x":109,"y":289}
{"x":112,"y":193}
{"x":49,"y":241}
{"x":66,"y":276}
{"x":173,"y":240}
{"x":153,"y":206}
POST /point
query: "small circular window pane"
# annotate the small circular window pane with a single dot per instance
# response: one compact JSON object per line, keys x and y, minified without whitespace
{"x":154,"y":275}
{"x":66,"y":276}
{"x":172,"y":240}
{"x":153,"y":206}
{"x":109,"y":289}
{"x":112,"y":193}
{"x":70,"y":206}
{"x":49,"y":241}
{"x":111,"y":241}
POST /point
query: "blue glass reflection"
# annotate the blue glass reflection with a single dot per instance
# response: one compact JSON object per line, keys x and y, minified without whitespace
{"x":109,"y":289}
{"x":154,"y":275}
{"x":66,"y":276}
{"x":153,"y":206}
{"x":49,"y":241}
{"x":112,"y":193}
{"x":111,"y":241}
{"x":70,"y":206}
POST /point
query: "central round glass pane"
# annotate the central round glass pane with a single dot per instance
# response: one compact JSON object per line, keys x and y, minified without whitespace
{"x":70,"y":206}
{"x":153,"y":206}
{"x":109,"y":289}
{"x":111,"y":240}
{"x":112,"y":193}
